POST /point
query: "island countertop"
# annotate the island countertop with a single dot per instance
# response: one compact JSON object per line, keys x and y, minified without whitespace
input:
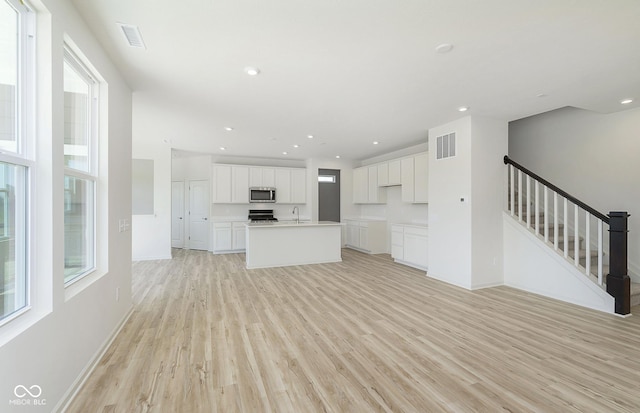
{"x":281,"y":224}
{"x":279,"y":244}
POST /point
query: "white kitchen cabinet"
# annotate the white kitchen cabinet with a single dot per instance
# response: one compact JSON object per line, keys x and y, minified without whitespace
{"x":407,"y":179}
{"x":262,"y":177}
{"x":222,"y":235}
{"x":389,"y":173}
{"x":291,"y":185}
{"x":376,"y":195}
{"x":365,"y":186}
{"x":394,"y":172}
{"x":383,"y":174}
{"x":255,"y":176}
{"x":239,"y":236}
{"x":221,"y":184}
{"x":229,"y":237}
{"x":269,"y":177}
{"x":298,"y":186}
{"x":421,"y":178}
{"x":231,"y":183}
{"x":409,"y":245}
{"x":397,"y":242}
{"x":361,"y":185}
{"x":414,"y":172}
{"x":353,"y":233}
{"x":240,"y":184}
{"x":368,"y":236}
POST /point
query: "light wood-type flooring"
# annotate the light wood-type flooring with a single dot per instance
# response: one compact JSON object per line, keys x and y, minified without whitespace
{"x":364,"y":335}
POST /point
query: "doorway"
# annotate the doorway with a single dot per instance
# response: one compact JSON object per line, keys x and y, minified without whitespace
{"x":329,"y":195}
{"x":190,"y":214}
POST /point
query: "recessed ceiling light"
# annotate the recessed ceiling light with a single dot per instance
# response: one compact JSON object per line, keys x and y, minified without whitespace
{"x":296,"y":146}
{"x":228,"y":128}
{"x":222,"y":148}
{"x":375,"y":142}
{"x":541,"y":95}
{"x":252,"y":71}
{"x":337,"y":156}
{"x":284,"y":153}
{"x":626,"y":101}
{"x":444,"y":48}
{"x":463,"y":108}
{"x":309,"y":136}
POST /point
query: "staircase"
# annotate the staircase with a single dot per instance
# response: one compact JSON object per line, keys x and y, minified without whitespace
{"x":571,"y":228}
{"x":529,"y":220}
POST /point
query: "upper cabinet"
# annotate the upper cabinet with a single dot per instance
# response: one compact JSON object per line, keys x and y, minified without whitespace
{"x":221,"y":184}
{"x":365,"y":186}
{"x":231,"y":183}
{"x":283,"y":186}
{"x":240,"y":184}
{"x":407,"y":178}
{"x":261,"y":176}
{"x":410,"y":172}
{"x":389,"y":173}
{"x":421,"y":178}
{"x":415,"y":178}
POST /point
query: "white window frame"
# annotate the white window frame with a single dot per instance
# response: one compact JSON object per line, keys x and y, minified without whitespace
{"x":71,"y":58}
{"x":25,"y":148}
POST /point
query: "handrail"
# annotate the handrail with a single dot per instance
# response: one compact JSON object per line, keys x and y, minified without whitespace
{"x":548,"y":184}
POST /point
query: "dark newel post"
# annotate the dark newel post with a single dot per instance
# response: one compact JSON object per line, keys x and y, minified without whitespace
{"x":618,"y":281}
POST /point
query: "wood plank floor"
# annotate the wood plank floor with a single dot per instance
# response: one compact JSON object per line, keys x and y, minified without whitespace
{"x":364,"y":335}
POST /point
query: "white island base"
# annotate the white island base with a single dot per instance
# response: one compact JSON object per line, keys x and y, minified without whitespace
{"x":282,"y":244}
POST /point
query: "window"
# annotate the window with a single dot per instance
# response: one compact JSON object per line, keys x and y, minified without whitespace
{"x":330,"y":179}
{"x":16,"y":82}
{"x":80,"y":159}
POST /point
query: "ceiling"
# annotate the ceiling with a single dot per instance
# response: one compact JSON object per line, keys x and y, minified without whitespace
{"x":351,"y":72}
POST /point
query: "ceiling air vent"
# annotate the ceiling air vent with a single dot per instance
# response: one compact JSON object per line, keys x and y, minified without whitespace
{"x":133,"y":36}
{"x":446,"y":146}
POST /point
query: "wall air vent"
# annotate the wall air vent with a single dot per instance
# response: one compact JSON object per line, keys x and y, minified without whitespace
{"x":133,"y":36}
{"x":446,"y":146}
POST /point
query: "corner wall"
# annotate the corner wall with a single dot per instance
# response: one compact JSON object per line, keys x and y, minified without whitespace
{"x":465,"y":204}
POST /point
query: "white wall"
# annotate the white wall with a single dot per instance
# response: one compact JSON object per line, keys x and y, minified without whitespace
{"x":449,"y":217}
{"x":151,"y":234}
{"x":488,"y":147}
{"x":53,"y":343}
{"x":465,"y":204}
{"x":532,"y":266}
{"x":592,"y":156}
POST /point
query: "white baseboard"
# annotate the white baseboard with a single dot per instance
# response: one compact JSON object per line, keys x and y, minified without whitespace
{"x":70,"y":394}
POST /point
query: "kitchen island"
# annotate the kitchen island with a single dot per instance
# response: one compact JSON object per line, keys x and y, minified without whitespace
{"x":279,"y":244}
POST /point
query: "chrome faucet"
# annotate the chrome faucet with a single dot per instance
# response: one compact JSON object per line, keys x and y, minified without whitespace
{"x":296,"y":211}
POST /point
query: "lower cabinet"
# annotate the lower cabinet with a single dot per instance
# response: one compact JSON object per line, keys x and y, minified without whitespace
{"x":409,"y":245}
{"x":228,"y":237}
{"x":367,"y":235}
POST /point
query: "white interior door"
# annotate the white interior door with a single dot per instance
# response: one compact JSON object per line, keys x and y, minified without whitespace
{"x":199,"y":215}
{"x":177,"y":214}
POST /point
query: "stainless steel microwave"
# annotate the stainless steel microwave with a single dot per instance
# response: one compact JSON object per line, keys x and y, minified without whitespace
{"x":262,"y":194}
